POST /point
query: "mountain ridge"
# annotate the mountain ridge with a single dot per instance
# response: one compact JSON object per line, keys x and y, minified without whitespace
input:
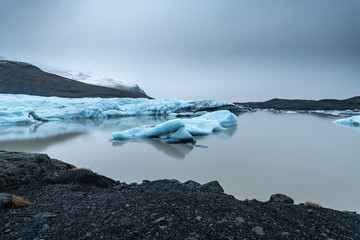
{"x":302,"y":104}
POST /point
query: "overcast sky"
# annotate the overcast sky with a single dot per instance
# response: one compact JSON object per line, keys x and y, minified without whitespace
{"x":238,"y":50}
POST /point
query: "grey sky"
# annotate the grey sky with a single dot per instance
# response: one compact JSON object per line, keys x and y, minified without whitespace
{"x":237,"y":50}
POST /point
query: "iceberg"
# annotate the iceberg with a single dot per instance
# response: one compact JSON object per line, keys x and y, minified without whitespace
{"x":224,"y":117}
{"x":352,"y":121}
{"x":181,"y":130}
{"x":15,"y":108}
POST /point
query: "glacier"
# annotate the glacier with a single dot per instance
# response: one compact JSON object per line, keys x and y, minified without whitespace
{"x":182,"y":130}
{"x":15,"y":108}
{"x":92,"y":78}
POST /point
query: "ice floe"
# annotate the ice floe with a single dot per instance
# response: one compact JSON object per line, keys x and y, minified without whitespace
{"x":337,"y":112}
{"x":353,"y":121}
{"x":15,"y":108}
{"x":182,"y":130}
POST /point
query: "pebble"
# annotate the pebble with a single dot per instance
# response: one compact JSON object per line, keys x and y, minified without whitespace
{"x":44,"y":215}
{"x":159,"y":220}
{"x":238,"y":221}
{"x":5,"y":200}
{"x":258,"y":230}
{"x":87,"y":236}
{"x":45,"y":227}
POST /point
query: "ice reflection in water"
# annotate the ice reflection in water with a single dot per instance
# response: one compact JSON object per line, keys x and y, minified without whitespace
{"x":57,"y":128}
{"x":178,"y":151}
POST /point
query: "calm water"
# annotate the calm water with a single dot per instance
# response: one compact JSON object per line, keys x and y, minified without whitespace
{"x":305,"y":156}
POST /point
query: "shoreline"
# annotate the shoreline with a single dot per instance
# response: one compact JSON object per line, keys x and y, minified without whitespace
{"x":80,"y":204}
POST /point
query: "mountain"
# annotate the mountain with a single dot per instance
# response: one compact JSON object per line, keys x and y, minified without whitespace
{"x":24,"y":78}
{"x":299,"y":104}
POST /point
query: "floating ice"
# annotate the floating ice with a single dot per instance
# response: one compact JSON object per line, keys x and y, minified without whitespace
{"x":224,"y":117}
{"x":337,"y":112}
{"x":354,"y":121}
{"x":182,"y":130}
{"x":15,"y":108}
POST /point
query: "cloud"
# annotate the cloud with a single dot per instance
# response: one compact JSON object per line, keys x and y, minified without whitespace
{"x":192,"y":43}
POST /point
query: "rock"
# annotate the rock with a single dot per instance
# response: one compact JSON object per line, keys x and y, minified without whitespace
{"x":120,"y":186}
{"x":192,"y":184}
{"x":5,"y":200}
{"x":17,"y":169}
{"x":83,"y":176}
{"x":213,"y":186}
{"x":281,"y":198}
{"x":258,"y":230}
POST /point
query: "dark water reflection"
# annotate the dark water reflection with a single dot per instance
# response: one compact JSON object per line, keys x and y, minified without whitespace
{"x":177,"y":151}
{"x":305,"y":156}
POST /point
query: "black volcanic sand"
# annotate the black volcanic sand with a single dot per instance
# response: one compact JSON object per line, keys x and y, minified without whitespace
{"x":80,"y":204}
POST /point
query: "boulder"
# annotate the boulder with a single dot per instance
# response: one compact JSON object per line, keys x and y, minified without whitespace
{"x":281,"y":198}
{"x":17,"y":169}
{"x":213,"y":186}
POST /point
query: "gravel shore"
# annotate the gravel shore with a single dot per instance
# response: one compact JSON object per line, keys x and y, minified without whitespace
{"x":80,"y":204}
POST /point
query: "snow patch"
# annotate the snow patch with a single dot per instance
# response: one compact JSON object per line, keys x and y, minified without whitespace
{"x":93,"y":78}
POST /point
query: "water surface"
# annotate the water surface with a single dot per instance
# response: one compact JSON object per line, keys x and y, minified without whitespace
{"x":304,"y":156}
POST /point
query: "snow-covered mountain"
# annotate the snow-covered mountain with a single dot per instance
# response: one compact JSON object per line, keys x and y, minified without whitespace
{"x":92,"y":78}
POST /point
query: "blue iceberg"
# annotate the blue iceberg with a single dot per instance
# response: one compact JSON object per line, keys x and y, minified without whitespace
{"x":182,"y":130}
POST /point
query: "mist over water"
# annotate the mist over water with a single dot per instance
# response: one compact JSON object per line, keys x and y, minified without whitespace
{"x":305,"y":156}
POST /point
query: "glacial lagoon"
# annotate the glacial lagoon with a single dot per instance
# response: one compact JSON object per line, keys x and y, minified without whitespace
{"x":305,"y":156}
